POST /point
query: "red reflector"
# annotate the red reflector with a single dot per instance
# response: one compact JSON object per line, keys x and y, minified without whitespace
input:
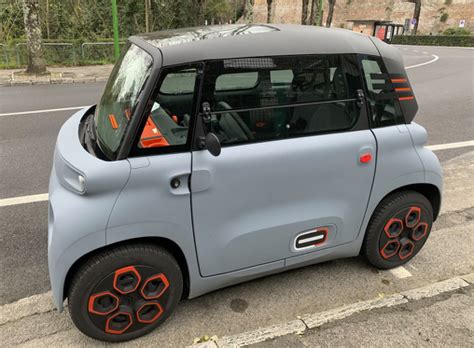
{"x":365,"y":158}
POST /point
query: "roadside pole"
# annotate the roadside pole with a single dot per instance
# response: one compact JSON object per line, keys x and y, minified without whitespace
{"x":115,"y":25}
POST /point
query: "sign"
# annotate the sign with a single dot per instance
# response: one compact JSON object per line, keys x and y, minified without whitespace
{"x":462,"y":23}
{"x":413,"y":21}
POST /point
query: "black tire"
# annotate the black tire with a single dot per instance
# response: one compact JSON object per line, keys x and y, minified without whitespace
{"x":393,"y":230}
{"x":109,"y":273}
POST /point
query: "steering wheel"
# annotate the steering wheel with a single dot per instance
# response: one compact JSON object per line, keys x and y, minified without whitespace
{"x":224,"y":106}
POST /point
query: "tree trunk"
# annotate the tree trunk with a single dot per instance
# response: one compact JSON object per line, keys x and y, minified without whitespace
{"x":36,"y":62}
{"x":304,"y":12}
{"x":332,"y":3}
{"x":248,"y":11}
{"x":269,"y":11}
{"x":314,"y":18}
{"x":416,"y":15}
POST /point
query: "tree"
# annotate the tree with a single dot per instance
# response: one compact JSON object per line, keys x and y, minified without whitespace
{"x":416,"y":14}
{"x":331,"y":3}
{"x":304,"y":12}
{"x":269,"y":11}
{"x":248,"y":11}
{"x":34,"y":40}
{"x":314,"y":17}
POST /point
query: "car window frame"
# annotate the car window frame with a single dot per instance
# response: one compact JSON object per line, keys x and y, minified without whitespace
{"x":361,"y":123}
{"x":136,"y":150}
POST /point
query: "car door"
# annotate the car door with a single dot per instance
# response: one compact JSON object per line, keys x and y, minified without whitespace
{"x":156,"y":200}
{"x":296,"y":167}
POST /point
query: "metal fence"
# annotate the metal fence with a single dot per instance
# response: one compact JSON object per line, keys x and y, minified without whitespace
{"x":54,"y":52}
{"x":97,"y":50}
{"x":5,"y":56}
{"x":60,"y":53}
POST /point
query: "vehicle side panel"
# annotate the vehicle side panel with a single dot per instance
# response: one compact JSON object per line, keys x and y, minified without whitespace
{"x":77,"y":222}
{"x":149,"y":207}
{"x":261,"y":196}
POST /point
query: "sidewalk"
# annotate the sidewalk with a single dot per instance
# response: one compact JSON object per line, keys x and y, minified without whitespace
{"x":446,"y":320}
{"x":56,"y":75}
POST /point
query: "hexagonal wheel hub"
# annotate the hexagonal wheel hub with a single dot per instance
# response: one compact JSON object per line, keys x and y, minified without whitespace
{"x":121,"y":302}
{"x":403,"y":234}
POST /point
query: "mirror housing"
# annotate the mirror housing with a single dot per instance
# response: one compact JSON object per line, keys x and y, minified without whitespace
{"x":213,"y":145}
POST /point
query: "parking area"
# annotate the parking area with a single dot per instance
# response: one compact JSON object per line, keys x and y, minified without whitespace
{"x":31,"y":116}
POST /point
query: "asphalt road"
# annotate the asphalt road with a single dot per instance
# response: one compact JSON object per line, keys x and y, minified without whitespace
{"x":444,"y":90}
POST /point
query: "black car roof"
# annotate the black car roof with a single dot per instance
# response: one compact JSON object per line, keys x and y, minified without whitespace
{"x":180,"y":46}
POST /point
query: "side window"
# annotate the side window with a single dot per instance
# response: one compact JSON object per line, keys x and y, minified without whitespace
{"x":281,"y":97}
{"x":281,"y":77}
{"x":170,"y":117}
{"x":385,"y":110}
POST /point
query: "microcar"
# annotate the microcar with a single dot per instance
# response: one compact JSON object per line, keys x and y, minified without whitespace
{"x":221,"y":154}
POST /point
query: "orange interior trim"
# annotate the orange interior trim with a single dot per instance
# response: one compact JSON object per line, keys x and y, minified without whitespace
{"x":113,"y":121}
{"x":151,"y":136}
{"x":128,"y":113}
{"x":399,"y":80}
{"x":403,"y":89}
{"x":406,"y":98}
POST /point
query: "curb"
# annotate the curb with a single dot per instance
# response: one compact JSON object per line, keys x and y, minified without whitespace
{"x":312,"y":321}
{"x":66,"y":80}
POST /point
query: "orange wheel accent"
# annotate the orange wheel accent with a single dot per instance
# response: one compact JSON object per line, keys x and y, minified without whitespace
{"x":154,"y":310}
{"x":393,"y":228}
{"x":160,"y":288}
{"x":112,"y":307}
{"x":120,"y":327}
{"x":412,"y":223}
{"x":416,"y":235}
{"x":404,"y":251}
{"x":387,"y":255}
{"x":130,"y":284}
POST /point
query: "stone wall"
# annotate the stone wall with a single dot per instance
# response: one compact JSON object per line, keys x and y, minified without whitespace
{"x":289,"y":11}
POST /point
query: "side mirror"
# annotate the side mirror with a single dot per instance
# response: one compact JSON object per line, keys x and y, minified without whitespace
{"x":213,"y":145}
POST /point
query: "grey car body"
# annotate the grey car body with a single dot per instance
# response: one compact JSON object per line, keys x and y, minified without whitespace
{"x":236,"y":217}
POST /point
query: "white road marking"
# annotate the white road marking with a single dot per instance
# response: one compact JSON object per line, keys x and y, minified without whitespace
{"x":400,"y":272}
{"x":415,"y":51}
{"x":44,"y":197}
{"x":23,"y":200}
{"x":42,"y":111}
{"x":451,"y":145}
{"x":424,"y":52}
{"x":435,"y":58}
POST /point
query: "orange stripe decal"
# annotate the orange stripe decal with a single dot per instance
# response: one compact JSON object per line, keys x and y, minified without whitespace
{"x":399,"y":80}
{"x":406,"y":98}
{"x":402,"y":89}
{"x":113,"y":121}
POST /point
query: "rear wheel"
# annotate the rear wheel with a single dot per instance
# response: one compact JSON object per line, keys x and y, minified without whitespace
{"x":398,"y":229}
{"x":125,"y":293}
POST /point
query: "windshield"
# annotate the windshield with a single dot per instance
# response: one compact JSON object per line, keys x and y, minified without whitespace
{"x":120,"y":98}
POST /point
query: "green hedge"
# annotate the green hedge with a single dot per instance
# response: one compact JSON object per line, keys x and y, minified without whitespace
{"x":432,"y":40}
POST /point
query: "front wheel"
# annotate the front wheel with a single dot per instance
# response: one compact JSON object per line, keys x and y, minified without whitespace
{"x":398,"y":229}
{"x":125,"y":292}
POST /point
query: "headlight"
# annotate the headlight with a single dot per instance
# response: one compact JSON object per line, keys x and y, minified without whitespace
{"x":73,"y":179}
{"x":82,"y":183}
